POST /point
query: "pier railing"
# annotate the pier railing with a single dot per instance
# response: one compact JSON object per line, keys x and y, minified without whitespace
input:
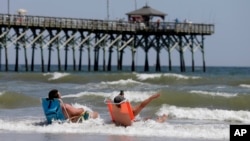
{"x":93,"y":24}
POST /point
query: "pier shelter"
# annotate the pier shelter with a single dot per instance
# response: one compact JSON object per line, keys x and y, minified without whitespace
{"x":145,"y":15}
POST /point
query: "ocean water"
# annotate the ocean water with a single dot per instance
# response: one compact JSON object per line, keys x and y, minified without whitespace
{"x":200,"y":106}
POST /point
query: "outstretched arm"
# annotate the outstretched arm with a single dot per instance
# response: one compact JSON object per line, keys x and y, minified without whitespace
{"x":137,"y":109}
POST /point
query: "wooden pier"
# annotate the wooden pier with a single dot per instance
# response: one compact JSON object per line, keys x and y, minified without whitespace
{"x":59,"y":33}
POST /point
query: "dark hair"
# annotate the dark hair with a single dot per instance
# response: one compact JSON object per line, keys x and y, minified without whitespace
{"x":118,"y":99}
{"x":53,"y":94}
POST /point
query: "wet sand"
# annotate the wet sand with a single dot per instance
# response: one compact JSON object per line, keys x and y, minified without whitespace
{"x":86,"y":137}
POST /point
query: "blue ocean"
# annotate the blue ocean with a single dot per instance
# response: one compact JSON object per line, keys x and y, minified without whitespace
{"x":200,"y":105}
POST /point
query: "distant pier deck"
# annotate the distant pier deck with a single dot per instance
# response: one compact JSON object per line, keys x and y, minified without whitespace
{"x":64,"y":34}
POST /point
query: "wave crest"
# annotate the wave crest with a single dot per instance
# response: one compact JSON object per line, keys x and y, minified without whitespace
{"x":173,"y":75}
{"x":215,"y":93}
{"x":205,"y":114}
{"x":56,"y":75}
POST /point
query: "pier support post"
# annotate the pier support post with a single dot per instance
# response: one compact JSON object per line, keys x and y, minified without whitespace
{"x":58,"y":55}
{"x":66,"y":51}
{"x":17,"y":57}
{"x":118,"y":56}
{"x":5,"y":39}
{"x":133,"y":51}
{"x":146,"y":48}
{"x":17,"y":49}
{"x":73,"y":49}
{"x":80,"y":58}
{"x":33,"y":50}
{"x":23,"y":40}
{"x":0,"y":56}
{"x":158,"y":49}
{"x":50,"y":50}
{"x":99,"y":42}
{"x":181,"y":51}
{"x":41,"y":50}
{"x":83,"y":41}
{"x":110,"y":58}
{"x":104,"y":57}
{"x":114,"y":42}
{"x":169,"y":59}
{"x":203,"y":52}
{"x":192,"y":52}
{"x":96,"y":58}
{"x":96,"y":53}
{"x":121,"y":59}
{"x":1,"y":47}
{"x":89,"y":58}
{"x":166,"y":41}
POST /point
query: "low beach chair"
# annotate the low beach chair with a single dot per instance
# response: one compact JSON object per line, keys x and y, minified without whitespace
{"x":122,"y":115}
{"x":52,"y":110}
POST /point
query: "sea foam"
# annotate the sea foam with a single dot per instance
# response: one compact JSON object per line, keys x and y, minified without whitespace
{"x":205,"y":114}
{"x":121,"y":82}
{"x":223,"y":94}
{"x":245,"y":85}
{"x":56,"y":75}
{"x":147,"y":128}
{"x":152,"y":76}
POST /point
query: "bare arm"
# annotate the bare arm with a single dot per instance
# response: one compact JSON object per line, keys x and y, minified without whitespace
{"x":72,"y":111}
{"x":137,"y":109}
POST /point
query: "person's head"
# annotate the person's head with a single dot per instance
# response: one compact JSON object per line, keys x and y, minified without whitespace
{"x":54,"y":94}
{"x":118,"y":99}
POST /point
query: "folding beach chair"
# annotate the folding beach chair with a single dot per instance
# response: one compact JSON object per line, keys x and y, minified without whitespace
{"x":122,"y":115}
{"x":52,"y":110}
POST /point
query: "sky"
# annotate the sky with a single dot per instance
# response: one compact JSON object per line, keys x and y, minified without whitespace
{"x":228,"y":46}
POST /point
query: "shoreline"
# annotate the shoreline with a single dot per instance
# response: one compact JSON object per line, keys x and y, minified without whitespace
{"x":10,"y":136}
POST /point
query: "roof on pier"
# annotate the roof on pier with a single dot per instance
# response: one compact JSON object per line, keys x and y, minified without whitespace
{"x":147,"y":11}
